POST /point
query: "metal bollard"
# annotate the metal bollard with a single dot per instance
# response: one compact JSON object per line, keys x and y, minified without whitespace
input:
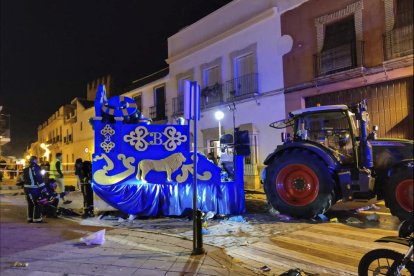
{"x":198,"y":249}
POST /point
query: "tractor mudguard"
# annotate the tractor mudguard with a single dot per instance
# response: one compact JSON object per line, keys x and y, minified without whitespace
{"x":409,"y":163}
{"x":327,"y":156}
{"x":398,"y":240}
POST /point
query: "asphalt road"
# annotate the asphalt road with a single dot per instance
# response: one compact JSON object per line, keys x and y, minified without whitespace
{"x":261,"y":239}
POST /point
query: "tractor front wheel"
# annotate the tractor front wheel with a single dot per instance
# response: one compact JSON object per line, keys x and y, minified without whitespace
{"x":399,"y":196}
{"x":298,"y":183}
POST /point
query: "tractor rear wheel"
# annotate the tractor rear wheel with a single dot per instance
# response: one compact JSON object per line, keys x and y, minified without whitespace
{"x":399,"y":196}
{"x":298,"y":183}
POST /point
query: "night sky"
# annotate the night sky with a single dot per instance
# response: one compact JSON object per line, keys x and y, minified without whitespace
{"x":51,"y":49}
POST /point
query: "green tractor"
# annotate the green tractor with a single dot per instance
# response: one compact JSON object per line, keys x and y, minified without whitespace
{"x":331,"y":157}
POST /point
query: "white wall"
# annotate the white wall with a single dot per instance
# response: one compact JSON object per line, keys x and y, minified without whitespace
{"x":264,"y":31}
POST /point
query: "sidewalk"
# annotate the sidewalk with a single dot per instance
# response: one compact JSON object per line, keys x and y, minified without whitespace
{"x":55,"y":249}
{"x":125,"y":252}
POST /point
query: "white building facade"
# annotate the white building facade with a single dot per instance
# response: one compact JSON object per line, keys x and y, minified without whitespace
{"x":235,"y":54}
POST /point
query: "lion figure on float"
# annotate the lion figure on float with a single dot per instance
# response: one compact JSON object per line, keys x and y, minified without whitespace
{"x":169,"y":165}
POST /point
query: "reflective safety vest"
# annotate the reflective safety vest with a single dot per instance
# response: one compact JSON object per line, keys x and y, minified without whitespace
{"x":33,"y":177}
{"x":53,"y":170}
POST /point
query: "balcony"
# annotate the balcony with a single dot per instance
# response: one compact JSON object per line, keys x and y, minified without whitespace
{"x":211,"y":95}
{"x":157,"y":113}
{"x":341,"y":58}
{"x":242,"y":87}
{"x":398,"y":42}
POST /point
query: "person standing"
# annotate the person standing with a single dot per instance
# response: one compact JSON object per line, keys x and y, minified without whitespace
{"x":78,"y":173}
{"x":33,"y":185}
{"x":86,"y":180}
{"x":57,"y":174}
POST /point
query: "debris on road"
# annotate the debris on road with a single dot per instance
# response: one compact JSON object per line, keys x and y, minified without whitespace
{"x":265,"y":268}
{"x":97,"y":238}
{"x":237,"y":219}
{"x":284,"y":217}
{"x":292,"y":272}
{"x":323,"y":217}
{"x":108,"y":217}
{"x":367,"y":208}
{"x":132,"y":217}
{"x":209,"y":215}
{"x":20,"y":264}
{"x":373,"y":217}
{"x":68,"y":212}
{"x":352,"y":220}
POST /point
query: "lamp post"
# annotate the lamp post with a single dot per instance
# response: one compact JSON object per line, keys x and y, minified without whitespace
{"x":219,"y":115}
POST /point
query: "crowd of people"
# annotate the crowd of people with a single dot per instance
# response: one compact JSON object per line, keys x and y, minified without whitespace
{"x":41,"y":181}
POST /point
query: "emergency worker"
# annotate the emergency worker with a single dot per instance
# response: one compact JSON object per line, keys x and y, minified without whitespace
{"x":57,"y":174}
{"x":86,"y":179}
{"x":33,"y":185}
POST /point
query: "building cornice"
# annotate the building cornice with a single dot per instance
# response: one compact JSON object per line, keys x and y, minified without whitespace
{"x":389,"y":70}
{"x":240,"y":27}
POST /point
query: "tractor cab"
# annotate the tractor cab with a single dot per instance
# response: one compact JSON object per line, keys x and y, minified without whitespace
{"x":332,"y":127}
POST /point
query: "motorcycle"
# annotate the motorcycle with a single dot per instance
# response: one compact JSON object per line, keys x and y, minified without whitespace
{"x":389,"y":262}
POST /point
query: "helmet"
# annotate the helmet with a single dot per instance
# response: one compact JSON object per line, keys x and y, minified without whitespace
{"x":33,"y":159}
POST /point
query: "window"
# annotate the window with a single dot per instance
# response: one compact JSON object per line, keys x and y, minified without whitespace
{"x":138,"y":100}
{"x":339,"y":33}
{"x":159,"y":100}
{"x":339,"y":48}
{"x":332,"y":129}
{"x":245,"y":81}
{"x":398,"y":41}
{"x":404,"y":13}
{"x":81,"y":125}
{"x":181,"y":83}
{"x":244,"y":65}
{"x":212,"y":91}
{"x":211,"y":76}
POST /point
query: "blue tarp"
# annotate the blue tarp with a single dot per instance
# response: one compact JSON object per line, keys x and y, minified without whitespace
{"x":173,"y":199}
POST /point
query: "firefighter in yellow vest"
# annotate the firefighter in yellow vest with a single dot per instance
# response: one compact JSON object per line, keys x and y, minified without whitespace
{"x":57,"y":174}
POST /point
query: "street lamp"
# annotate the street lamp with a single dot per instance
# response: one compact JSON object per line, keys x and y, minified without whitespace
{"x":219,"y":115}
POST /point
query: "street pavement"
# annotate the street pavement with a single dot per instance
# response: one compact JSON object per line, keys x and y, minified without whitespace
{"x":54,"y":248}
{"x":259,"y":242}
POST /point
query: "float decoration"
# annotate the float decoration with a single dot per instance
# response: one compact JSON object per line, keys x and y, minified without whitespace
{"x":147,"y":169}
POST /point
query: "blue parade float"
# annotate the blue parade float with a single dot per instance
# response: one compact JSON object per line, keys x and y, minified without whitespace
{"x":146,"y":169}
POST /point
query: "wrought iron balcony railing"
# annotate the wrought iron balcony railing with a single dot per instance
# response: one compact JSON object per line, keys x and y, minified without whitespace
{"x":242,"y":87}
{"x":217,"y":94}
{"x":157,"y":113}
{"x":341,"y":58}
{"x":398,"y":42}
{"x":211,"y":95}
